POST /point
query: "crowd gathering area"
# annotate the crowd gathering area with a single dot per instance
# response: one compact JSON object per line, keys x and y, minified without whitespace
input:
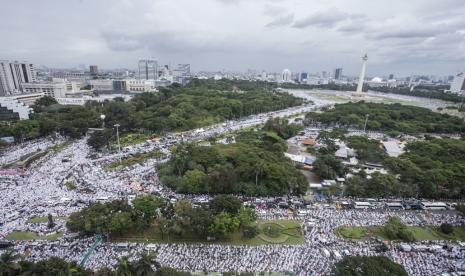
{"x":274,"y":229}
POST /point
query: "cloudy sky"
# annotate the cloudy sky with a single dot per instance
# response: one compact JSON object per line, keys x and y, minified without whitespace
{"x":401,"y":36}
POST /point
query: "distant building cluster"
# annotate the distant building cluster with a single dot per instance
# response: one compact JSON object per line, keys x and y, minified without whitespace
{"x":21,"y":84}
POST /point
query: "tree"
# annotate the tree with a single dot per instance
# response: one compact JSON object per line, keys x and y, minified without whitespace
{"x":194,"y":180}
{"x":162,"y":224}
{"x":145,"y":209}
{"x":183,"y":208}
{"x":8,"y":266}
{"x":223,"y":223}
{"x":225,"y":203}
{"x":50,"y":223}
{"x":120,"y":222}
{"x":395,"y":229}
{"x":26,"y":129}
{"x":43,"y":102}
{"x":167,"y":271}
{"x":105,"y":271}
{"x":367,"y":265}
{"x":100,"y":139}
{"x":282,"y":127}
{"x":201,"y":219}
{"x":124,"y":267}
{"x":446,"y":228}
{"x":328,"y":166}
{"x":143,"y":266}
{"x":246,"y":216}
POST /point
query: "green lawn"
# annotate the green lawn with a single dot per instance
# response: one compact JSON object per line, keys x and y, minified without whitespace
{"x":137,"y":159}
{"x":27,"y":236}
{"x":43,"y":219}
{"x":130,"y":139}
{"x":37,"y":220}
{"x":288,"y":232}
{"x":60,"y":147}
{"x":421,"y":233}
{"x":352,"y":232}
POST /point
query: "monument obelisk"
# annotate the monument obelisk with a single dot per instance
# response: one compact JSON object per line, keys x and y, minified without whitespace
{"x":359,"y":91}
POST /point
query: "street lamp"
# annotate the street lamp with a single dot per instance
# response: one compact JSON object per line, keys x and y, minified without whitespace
{"x":117,"y":136}
{"x":366,"y":120}
{"x":102,"y":117}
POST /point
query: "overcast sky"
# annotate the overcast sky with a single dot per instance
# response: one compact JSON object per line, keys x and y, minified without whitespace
{"x":401,"y":36}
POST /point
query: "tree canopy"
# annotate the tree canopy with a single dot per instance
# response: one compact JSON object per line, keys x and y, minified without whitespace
{"x":254,"y":165}
{"x":368,"y":265}
{"x":432,"y":168}
{"x":202,"y":102}
{"x":388,"y":117}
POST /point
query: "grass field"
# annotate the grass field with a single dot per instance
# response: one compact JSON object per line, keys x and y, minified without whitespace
{"x":285,"y":232}
{"x":43,"y":219}
{"x":28,"y":236}
{"x":351,"y":232}
{"x":137,"y":159}
{"x":130,"y":139}
{"x":60,"y":147}
{"x":421,"y":233}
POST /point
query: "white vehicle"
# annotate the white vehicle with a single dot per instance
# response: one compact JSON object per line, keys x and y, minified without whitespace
{"x":326,"y":252}
{"x":433,"y":206}
{"x":302,"y":212}
{"x":337,"y":255}
{"x":362,"y":205}
{"x":394,"y":205}
{"x":102,"y":198}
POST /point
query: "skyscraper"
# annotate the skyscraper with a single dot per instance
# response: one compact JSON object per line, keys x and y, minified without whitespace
{"x":338,"y":74}
{"x":391,"y":76}
{"x":303,"y":77}
{"x":185,"y":69}
{"x":286,"y":76}
{"x":458,"y":85}
{"x":362,"y":74}
{"x":93,"y":70}
{"x":13,"y":74}
{"x":148,"y":69}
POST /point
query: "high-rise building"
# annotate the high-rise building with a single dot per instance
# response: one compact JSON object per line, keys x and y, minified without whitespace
{"x":458,"y":85}
{"x":338,"y":74}
{"x":148,"y":69}
{"x":303,"y":77}
{"x":182,"y":71}
{"x":362,"y":74}
{"x":93,"y":70}
{"x":13,"y":74}
{"x":286,"y":76}
{"x":185,"y":69}
{"x":391,"y":76}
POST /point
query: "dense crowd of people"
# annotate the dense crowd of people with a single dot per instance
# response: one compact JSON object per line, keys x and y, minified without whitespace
{"x":45,"y":189}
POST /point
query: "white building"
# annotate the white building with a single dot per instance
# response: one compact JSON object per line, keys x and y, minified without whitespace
{"x":13,"y":74}
{"x":286,"y":76}
{"x":12,"y":105}
{"x":72,"y":76}
{"x":101,"y":85}
{"x":84,"y":99}
{"x":57,"y":88}
{"x":148,"y":69}
{"x":133,"y":85}
{"x":392,"y":148}
{"x":458,"y":85}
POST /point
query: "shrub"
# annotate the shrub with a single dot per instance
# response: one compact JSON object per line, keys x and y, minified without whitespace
{"x":446,"y":228}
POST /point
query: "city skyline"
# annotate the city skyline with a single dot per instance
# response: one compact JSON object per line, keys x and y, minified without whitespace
{"x":418,"y":37}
